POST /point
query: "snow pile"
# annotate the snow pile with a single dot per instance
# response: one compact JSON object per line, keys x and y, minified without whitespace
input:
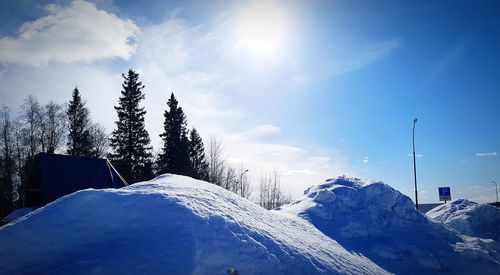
{"x":377,"y":221}
{"x":170,"y":225}
{"x":469,"y":218}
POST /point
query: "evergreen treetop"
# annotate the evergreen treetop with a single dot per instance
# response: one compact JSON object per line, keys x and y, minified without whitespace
{"x":79,"y":139}
{"x":174,"y":157}
{"x":199,"y":165}
{"x":130,"y":141}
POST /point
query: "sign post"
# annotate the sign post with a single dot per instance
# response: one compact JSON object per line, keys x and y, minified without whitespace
{"x":444,"y":194}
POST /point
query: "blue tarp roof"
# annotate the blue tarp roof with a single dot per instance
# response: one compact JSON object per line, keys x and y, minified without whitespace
{"x":59,"y":175}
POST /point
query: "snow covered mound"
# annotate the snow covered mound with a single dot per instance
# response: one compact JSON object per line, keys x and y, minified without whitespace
{"x":170,"y":225}
{"x":469,"y":218}
{"x":377,"y":221}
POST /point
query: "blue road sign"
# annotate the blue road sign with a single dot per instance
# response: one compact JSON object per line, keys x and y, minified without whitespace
{"x":444,"y":193}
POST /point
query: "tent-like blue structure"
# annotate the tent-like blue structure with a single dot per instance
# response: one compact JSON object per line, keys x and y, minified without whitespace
{"x":54,"y":176}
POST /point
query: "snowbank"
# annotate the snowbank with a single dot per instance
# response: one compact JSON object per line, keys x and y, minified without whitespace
{"x":377,"y":221}
{"x":18,"y":214}
{"x":170,"y":225}
{"x":469,"y":218}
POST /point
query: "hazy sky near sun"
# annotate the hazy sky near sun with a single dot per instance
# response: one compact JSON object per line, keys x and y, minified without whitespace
{"x":316,"y":88}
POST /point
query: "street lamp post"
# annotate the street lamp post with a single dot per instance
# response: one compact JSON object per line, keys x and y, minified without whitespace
{"x":496,"y":190}
{"x":415,"y":163}
{"x":241,"y":182}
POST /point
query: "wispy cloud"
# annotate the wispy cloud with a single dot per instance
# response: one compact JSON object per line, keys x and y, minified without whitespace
{"x":416,"y":155}
{"x":486,"y":154}
{"x":449,"y":59}
{"x":348,"y":60}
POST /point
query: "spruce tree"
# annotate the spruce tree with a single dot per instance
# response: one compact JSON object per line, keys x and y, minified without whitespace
{"x":199,"y":165}
{"x":79,"y":138}
{"x":130,"y":141}
{"x":174,"y":157}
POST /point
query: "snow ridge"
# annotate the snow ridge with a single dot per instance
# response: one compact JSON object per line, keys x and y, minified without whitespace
{"x":469,"y":218}
{"x":377,"y":221}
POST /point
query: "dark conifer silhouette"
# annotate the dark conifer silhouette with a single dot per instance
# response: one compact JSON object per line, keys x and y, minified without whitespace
{"x":79,"y":138}
{"x":174,"y":157}
{"x":199,"y":165}
{"x":130,"y":141}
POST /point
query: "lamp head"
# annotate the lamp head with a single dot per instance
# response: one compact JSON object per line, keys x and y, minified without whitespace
{"x":415,"y":120}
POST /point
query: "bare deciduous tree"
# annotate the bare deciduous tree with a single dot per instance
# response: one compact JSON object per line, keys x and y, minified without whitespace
{"x":54,"y":124}
{"x":270,"y":194}
{"x":244,"y":187}
{"x":230,"y":181}
{"x":100,"y":140}
{"x":222,"y":174}
{"x":216,"y":163}
{"x":32,"y":120}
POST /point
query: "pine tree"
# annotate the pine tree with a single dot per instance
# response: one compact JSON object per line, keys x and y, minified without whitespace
{"x":199,"y":165}
{"x":174,"y":157}
{"x":79,"y":138}
{"x":130,"y":141}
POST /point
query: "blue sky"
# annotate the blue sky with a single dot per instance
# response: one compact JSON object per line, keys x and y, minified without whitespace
{"x":315,"y":88}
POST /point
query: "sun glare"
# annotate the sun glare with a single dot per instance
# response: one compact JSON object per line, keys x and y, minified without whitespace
{"x":261,"y":28}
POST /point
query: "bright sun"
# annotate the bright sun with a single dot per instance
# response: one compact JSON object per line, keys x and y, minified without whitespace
{"x":261,"y":28}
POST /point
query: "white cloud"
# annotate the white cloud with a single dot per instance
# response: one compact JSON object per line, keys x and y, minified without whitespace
{"x":416,"y":155}
{"x":77,"y":32}
{"x":486,"y":154}
{"x":364,"y":160}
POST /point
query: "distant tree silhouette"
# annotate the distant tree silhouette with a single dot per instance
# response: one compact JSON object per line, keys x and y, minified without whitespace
{"x":130,"y":142}
{"x":198,"y":165}
{"x":79,"y":139}
{"x":270,"y":193}
{"x":54,"y":124}
{"x":7,"y":163}
{"x":32,"y":121}
{"x":216,"y":163}
{"x":174,"y":156}
{"x":100,"y":140}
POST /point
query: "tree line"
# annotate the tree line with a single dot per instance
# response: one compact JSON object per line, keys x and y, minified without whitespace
{"x":68,"y":128}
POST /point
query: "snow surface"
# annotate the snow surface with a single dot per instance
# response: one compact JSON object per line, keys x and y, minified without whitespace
{"x":377,"y":221}
{"x":18,"y":213}
{"x":469,"y":218}
{"x":178,"y":225}
{"x":170,"y":225}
